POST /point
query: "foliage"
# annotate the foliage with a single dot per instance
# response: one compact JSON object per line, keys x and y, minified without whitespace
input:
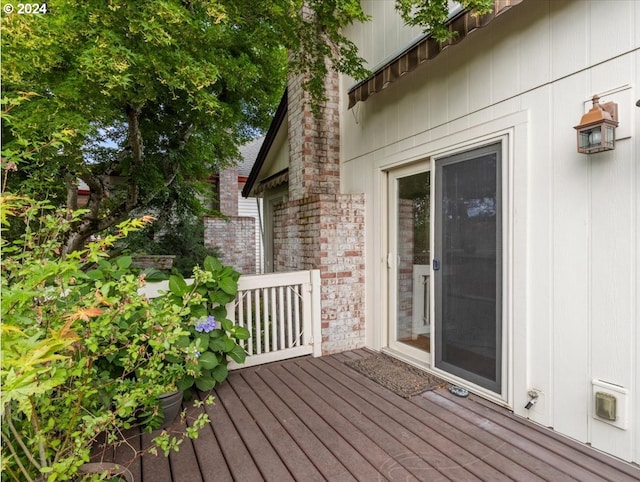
{"x":83,"y":353}
{"x":183,"y":238}
{"x":143,"y":100}
{"x":213,"y":335}
{"x":432,"y":15}
{"x":153,"y":96}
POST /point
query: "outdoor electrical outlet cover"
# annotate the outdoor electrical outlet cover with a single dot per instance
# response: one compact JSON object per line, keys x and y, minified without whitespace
{"x":606,"y":406}
{"x":610,"y":403}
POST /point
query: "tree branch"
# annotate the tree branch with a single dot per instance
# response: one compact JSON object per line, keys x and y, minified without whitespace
{"x":137,"y":152}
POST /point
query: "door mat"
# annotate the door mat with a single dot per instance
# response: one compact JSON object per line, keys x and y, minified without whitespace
{"x":399,"y":377}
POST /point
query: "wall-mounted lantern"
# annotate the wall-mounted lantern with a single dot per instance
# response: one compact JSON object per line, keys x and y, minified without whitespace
{"x":597,"y":128}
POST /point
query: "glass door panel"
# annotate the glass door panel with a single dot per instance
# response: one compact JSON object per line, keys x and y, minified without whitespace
{"x":468,"y":251}
{"x":411,"y":325}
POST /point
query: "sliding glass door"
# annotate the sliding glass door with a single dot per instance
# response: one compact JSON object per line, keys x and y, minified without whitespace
{"x":468,"y":258}
{"x":445,"y":265}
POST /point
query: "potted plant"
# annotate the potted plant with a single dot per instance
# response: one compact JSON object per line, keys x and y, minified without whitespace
{"x":83,"y":354}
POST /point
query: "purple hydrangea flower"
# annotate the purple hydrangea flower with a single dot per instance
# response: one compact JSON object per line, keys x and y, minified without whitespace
{"x":205,"y":325}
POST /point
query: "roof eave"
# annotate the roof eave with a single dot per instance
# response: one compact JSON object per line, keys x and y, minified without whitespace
{"x":276,"y":123}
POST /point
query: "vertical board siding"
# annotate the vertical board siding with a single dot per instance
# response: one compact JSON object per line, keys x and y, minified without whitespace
{"x":578,"y":237}
{"x":252,"y":207}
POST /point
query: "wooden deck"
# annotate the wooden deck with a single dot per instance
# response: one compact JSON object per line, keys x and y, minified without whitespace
{"x":316,"y":419}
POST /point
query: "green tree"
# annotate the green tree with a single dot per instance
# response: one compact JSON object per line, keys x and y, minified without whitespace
{"x":150,"y":97}
{"x":154,"y":95}
{"x":432,"y":15}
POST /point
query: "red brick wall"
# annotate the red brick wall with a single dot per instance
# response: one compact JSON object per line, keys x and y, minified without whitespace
{"x":314,"y":142}
{"x":228,"y":191}
{"x":319,"y":227}
{"x":326,"y":232}
{"x":235,"y":238}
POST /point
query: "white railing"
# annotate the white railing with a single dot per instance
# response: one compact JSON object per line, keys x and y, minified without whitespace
{"x":282,"y":313}
{"x":280,"y":310}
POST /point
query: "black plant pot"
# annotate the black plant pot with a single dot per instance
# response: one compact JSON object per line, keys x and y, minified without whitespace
{"x":171,"y":405}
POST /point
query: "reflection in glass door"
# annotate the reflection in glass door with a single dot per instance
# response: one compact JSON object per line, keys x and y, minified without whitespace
{"x":468,"y":250}
{"x":410,"y":329}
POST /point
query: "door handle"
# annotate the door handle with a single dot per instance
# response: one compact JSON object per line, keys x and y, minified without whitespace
{"x":435,"y":265}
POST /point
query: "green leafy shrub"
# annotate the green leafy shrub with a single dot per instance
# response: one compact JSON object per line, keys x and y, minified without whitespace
{"x":83,"y":353}
{"x":211,"y":333}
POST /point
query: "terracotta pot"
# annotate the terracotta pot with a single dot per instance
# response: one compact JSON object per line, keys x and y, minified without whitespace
{"x":171,"y":406}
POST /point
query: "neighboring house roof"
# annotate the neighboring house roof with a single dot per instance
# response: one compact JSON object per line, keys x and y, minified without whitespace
{"x":249,"y":153}
{"x":425,"y":48}
{"x":276,"y":123}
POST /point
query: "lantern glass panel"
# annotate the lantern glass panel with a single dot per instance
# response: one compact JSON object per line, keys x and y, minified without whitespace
{"x":595,"y":136}
{"x":583,"y":139}
{"x":609,"y":137}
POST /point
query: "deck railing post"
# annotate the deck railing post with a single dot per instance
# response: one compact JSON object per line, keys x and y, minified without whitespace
{"x":316,"y":313}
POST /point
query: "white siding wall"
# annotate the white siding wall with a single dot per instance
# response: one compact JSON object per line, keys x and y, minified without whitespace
{"x":574,"y":220}
{"x":250,"y":208}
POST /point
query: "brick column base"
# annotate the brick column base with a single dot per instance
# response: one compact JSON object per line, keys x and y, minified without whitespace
{"x":326,"y":232}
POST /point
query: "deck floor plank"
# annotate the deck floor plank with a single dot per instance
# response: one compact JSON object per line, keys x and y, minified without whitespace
{"x":309,"y":442}
{"x":566,"y":466}
{"x":211,"y":462}
{"x":350,"y":458}
{"x":265,"y":457}
{"x":324,"y":402}
{"x":288,"y":450}
{"x":491,"y":444}
{"x":154,"y":467}
{"x":422,"y":440}
{"x":401,"y":448}
{"x":125,"y":453}
{"x":452,"y":444}
{"x":314,"y":419}
{"x":562,"y":446}
{"x":235,"y":452}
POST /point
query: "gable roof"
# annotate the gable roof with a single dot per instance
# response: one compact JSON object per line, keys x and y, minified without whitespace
{"x":248,"y":155}
{"x":425,"y":48}
{"x":276,"y":123}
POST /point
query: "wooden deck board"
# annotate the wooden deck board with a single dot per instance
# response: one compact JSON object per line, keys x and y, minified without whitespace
{"x":396,"y":415}
{"x":213,"y":467}
{"x":236,"y":454}
{"x":324,"y":402}
{"x":265,"y":457}
{"x":372,"y":422}
{"x":423,"y":443}
{"x":567,"y":468}
{"x":317,"y":419}
{"x":491,"y":450}
{"x":310,"y":444}
{"x":154,"y":467}
{"x":595,"y":461}
{"x":350,"y":458}
{"x":288,"y":450}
